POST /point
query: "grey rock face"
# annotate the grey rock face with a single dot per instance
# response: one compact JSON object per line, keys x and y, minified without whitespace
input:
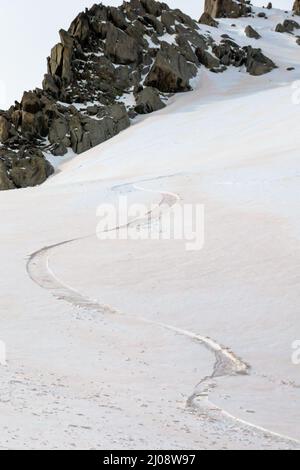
{"x":254,"y":60}
{"x":227,"y":8}
{"x":251,"y":33}
{"x":58,"y":131}
{"x":207,"y":59}
{"x":288,"y":26}
{"x":257,"y":63}
{"x":171,"y":72}
{"x":207,"y":19}
{"x":23,"y":169}
{"x":121,"y":48}
{"x":148,"y":101}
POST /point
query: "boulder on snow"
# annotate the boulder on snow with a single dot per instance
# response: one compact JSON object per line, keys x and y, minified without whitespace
{"x":251,"y":33}
{"x":152,"y":7}
{"x":30,"y":168}
{"x":5,"y":127}
{"x":87,"y":132}
{"x":288,"y":26}
{"x":59,"y":63}
{"x":207,"y":19}
{"x":148,"y":101}
{"x":80,"y":28}
{"x":257,"y":63}
{"x":5,"y":182}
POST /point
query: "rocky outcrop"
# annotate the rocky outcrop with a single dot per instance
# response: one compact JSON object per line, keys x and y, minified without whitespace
{"x":207,"y":59}
{"x":148,"y":101}
{"x":121,"y":48}
{"x":142,"y":50}
{"x":296,"y":7}
{"x":207,"y":19}
{"x":288,"y":26}
{"x":28,"y":167}
{"x":227,"y":8}
{"x":171,"y":72}
{"x":256,"y":63}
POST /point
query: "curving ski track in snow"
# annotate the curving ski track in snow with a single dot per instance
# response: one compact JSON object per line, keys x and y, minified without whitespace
{"x":226,"y":362}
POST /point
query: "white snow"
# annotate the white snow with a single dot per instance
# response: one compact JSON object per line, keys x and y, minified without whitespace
{"x":118,"y":374}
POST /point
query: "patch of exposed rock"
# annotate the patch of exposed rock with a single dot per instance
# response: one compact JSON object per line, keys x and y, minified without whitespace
{"x":252,"y":33}
{"x":207,"y":19}
{"x":288,"y":26}
{"x":227,"y":8}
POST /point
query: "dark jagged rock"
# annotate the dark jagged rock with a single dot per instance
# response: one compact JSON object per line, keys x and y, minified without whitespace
{"x":86,"y":132}
{"x":251,"y":33}
{"x":26,"y":168}
{"x":296,"y":7}
{"x":107,"y":54}
{"x":207,"y":59}
{"x":171,"y":73}
{"x":256,"y":63}
{"x":288,"y":26}
{"x":5,"y":182}
{"x":207,"y":19}
{"x":121,"y":48}
{"x":227,"y":8}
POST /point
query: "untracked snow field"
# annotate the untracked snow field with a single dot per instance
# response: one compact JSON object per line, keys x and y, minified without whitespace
{"x":126,"y":344}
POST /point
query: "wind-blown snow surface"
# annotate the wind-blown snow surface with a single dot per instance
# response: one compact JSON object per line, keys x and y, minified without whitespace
{"x":121,"y":372}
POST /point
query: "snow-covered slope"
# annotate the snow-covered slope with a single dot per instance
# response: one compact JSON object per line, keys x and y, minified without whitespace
{"x":107,"y":340}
